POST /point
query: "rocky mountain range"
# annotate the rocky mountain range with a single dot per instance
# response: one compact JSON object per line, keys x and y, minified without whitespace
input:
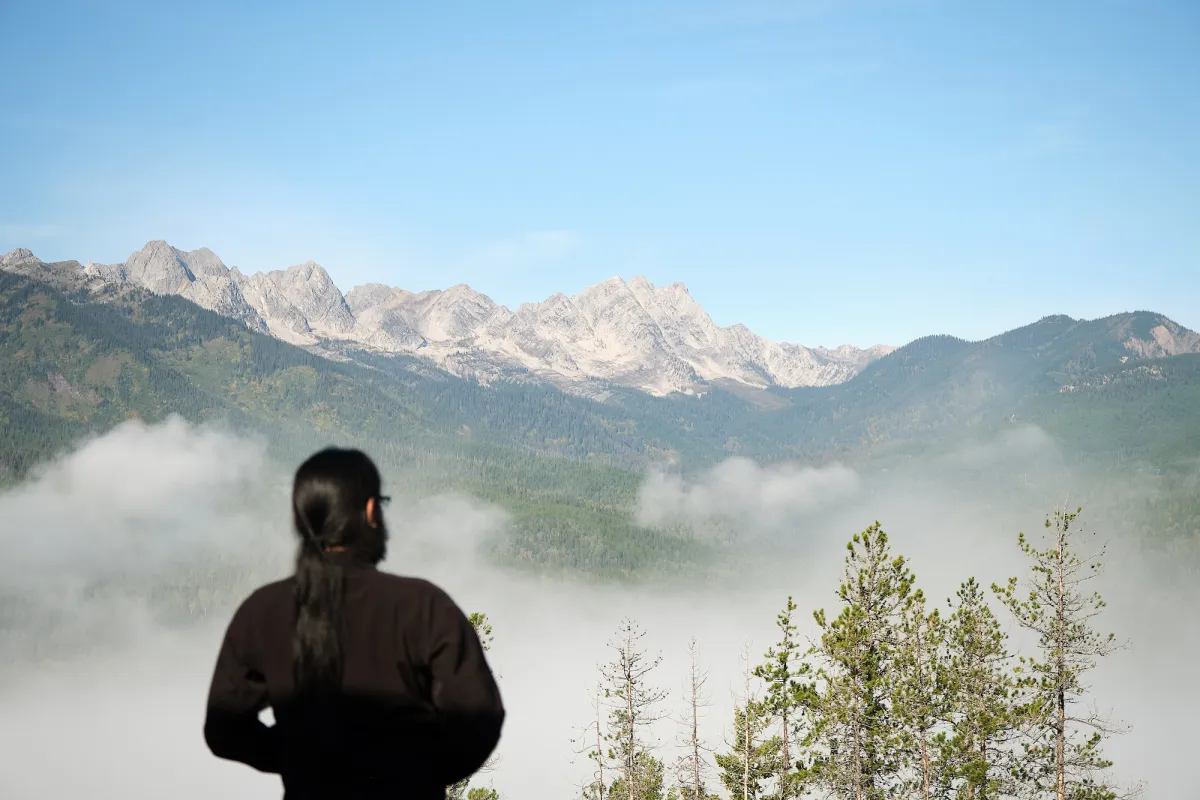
{"x":631,"y":333}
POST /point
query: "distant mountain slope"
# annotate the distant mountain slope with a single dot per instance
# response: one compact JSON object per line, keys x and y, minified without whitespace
{"x":940,"y":386}
{"x":657,"y":339}
{"x":934,"y":387}
{"x":78,"y":357}
{"x":69,"y":367}
{"x":55,"y":360}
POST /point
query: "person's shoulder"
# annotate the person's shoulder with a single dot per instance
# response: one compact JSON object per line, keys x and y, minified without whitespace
{"x":267,"y":596}
{"x":409,"y":585}
{"x":275,"y":589}
{"x":418,"y":592}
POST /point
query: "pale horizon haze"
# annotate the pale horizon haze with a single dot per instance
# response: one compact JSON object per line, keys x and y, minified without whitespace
{"x":823,"y":172}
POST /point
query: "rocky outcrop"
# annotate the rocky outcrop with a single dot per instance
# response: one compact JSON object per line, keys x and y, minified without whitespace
{"x":633,"y":333}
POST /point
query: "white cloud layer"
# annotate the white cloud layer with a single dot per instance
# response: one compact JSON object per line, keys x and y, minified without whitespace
{"x":97,"y":679}
{"x":135,"y":501}
{"x":739,"y":489}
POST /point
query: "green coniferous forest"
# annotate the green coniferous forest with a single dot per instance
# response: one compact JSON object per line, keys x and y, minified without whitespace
{"x":568,"y":468}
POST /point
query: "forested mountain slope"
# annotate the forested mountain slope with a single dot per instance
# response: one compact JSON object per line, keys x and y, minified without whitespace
{"x":70,"y":367}
{"x":74,"y":362}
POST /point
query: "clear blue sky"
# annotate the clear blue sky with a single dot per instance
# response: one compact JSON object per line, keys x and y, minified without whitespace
{"x":824,"y":172}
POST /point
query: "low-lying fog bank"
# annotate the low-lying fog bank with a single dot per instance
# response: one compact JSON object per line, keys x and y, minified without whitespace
{"x":97,"y":677}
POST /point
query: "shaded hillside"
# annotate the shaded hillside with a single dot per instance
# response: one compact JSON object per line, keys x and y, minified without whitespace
{"x":935,"y":389}
{"x":72,"y":367}
{"x":939,"y":389}
{"x":73,"y":362}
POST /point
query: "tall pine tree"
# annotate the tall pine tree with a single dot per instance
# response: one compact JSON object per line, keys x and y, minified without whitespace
{"x":856,"y":727}
{"x":921,"y":695}
{"x":1062,"y":758}
{"x":781,"y":672}
{"x":984,"y":715}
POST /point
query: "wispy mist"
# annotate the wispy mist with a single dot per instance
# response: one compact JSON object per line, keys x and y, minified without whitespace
{"x":134,"y":501}
{"x":189,"y":519}
{"x":739,"y":489}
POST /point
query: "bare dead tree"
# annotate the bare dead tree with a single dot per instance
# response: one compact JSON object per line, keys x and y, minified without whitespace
{"x":633,"y":708}
{"x":591,"y":742}
{"x":692,"y":767}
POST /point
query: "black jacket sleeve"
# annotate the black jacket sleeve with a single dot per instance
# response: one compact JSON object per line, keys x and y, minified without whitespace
{"x":464,"y":693}
{"x":237,"y":695}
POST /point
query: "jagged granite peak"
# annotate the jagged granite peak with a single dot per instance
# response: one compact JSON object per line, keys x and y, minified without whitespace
{"x":18,"y":257}
{"x":22,"y":261}
{"x":655,"y":338}
{"x":627,"y":343}
{"x":303,"y":299}
{"x":382,"y":319}
{"x":106,"y":273}
{"x":386,"y":328}
{"x":198,"y":275}
{"x":204,"y":262}
{"x":222,"y":294}
{"x":158,"y":268}
{"x":453,"y":314}
{"x":369,"y":295}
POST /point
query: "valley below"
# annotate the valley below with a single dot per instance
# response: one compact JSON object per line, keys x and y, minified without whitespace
{"x":147,"y":447}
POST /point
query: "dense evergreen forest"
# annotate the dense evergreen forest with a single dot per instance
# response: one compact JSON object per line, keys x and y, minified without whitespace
{"x":568,"y":468}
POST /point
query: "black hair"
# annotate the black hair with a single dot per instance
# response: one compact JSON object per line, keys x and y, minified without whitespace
{"x":329,"y":510}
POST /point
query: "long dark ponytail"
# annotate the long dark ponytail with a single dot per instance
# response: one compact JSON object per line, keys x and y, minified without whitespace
{"x":329,"y":509}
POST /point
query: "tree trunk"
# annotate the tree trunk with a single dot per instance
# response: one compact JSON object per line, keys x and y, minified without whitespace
{"x":858,"y":776}
{"x":925,"y":764}
{"x":695,"y":735}
{"x":971,"y":775}
{"x":631,"y":758}
{"x":924,"y":733}
{"x":1060,"y":733}
{"x":746,"y":727}
{"x":599,"y":748}
{"x":786,"y":761}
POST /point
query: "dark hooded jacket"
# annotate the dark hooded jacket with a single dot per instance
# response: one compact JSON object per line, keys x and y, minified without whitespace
{"x":418,"y":709}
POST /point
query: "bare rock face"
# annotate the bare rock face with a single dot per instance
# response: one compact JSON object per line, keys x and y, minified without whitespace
{"x":1166,"y":339}
{"x":220,"y":293}
{"x":159,"y":268}
{"x":369,"y":295}
{"x":64,"y":274}
{"x":203,"y":262}
{"x":631,"y":333}
{"x":386,"y":328}
{"x":106,"y":273}
{"x":300,"y":304}
{"x":658,"y":339}
{"x":197,"y":275}
{"x":18,"y":257}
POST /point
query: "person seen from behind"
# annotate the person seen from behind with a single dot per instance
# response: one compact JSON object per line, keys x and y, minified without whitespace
{"x":378,"y":683}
